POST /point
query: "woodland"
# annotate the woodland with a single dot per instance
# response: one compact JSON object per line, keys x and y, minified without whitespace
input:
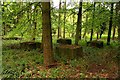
{"x":65,"y":40}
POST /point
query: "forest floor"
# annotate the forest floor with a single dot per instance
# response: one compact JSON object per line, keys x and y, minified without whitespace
{"x":96,"y":63}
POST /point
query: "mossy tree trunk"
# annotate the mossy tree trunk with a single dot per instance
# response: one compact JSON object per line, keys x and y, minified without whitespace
{"x":47,"y":34}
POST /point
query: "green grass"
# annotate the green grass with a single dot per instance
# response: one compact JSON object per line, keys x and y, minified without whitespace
{"x":18,"y":63}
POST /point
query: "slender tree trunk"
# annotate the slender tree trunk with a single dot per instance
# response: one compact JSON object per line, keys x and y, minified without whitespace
{"x":80,"y":19}
{"x":91,"y":35}
{"x":29,"y":18}
{"x":34,"y":23}
{"x":119,"y":33}
{"x":79,"y":24}
{"x":31,"y":22}
{"x":100,"y":35}
{"x":110,"y":24}
{"x":4,"y":28}
{"x":47,"y":34}
{"x":4,"y":23}
{"x":59,"y":21}
{"x":86,"y":25}
{"x":64,"y":19}
{"x":34,"y":33}
{"x":98,"y":30}
{"x":114,"y":30}
{"x":118,"y":18}
{"x":73,"y":17}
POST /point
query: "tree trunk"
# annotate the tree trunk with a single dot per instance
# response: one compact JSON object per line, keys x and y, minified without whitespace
{"x":118,"y":18}
{"x":34,"y":23}
{"x":113,"y":37}
{"x":110,"y":24}
{"x":47,"y":34}
{"x":114,"y":28}
{"x":73,"y":17}
{"x":4,"y":23}
{"x":79,"y":24}
{"x":59,"y":21}
{"x":86,"y":25}
{"x":64,"y":19}
{"x":4,"y":29}
{"x":119,"y":33}
{"x":91,"y":35}
{"x":100,"y":35}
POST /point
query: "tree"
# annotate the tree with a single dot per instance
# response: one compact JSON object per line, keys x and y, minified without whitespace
{"x":64,"y":19}
{"x":73,"y":25}
{"x":114,"y":30}
{"x":59,"y":20}
{"x":102,"y":29}
{"x":110,"y":24}
{"x":118,"y":24}
{"x":34,"y":23}
{"x":118,"y":20}
{"x":114,"y":27}
{"x":91,"y":35}
{"x":47,"y":34}
{"x":79,"y":24}
{"x":86,"y":24}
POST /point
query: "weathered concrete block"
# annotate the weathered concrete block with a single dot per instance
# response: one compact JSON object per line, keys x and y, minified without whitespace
{"x":95,"y":43}
{"x":64,"y":41}
{"x":12,"y":38}
{"x":69,"y":51}
{"x":30,"y":45}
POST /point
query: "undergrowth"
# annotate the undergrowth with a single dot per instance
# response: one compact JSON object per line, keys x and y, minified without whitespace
{"x":18,"y":63}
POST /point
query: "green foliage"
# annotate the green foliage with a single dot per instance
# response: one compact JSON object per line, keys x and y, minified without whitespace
{"x":18,"y":20}
{"x":16,"y":61}
{"x":28,"y":64}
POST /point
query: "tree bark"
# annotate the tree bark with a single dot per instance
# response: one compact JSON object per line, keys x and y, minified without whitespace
{"x":4,"y":23}
{"x":47,"y":34}
{"x":114,"y":28}
{"x":110,"y":24}
{"x":86,"y":25}
{"x":59,"y":19}
{"x":113,"y":37}
{"x":79,"y":24}
{"x":34,"y":23}
{"x":73,"y":23}
{"x":118,"y":20}
{"x":91,"y":35}
{"x":64,"y":19}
